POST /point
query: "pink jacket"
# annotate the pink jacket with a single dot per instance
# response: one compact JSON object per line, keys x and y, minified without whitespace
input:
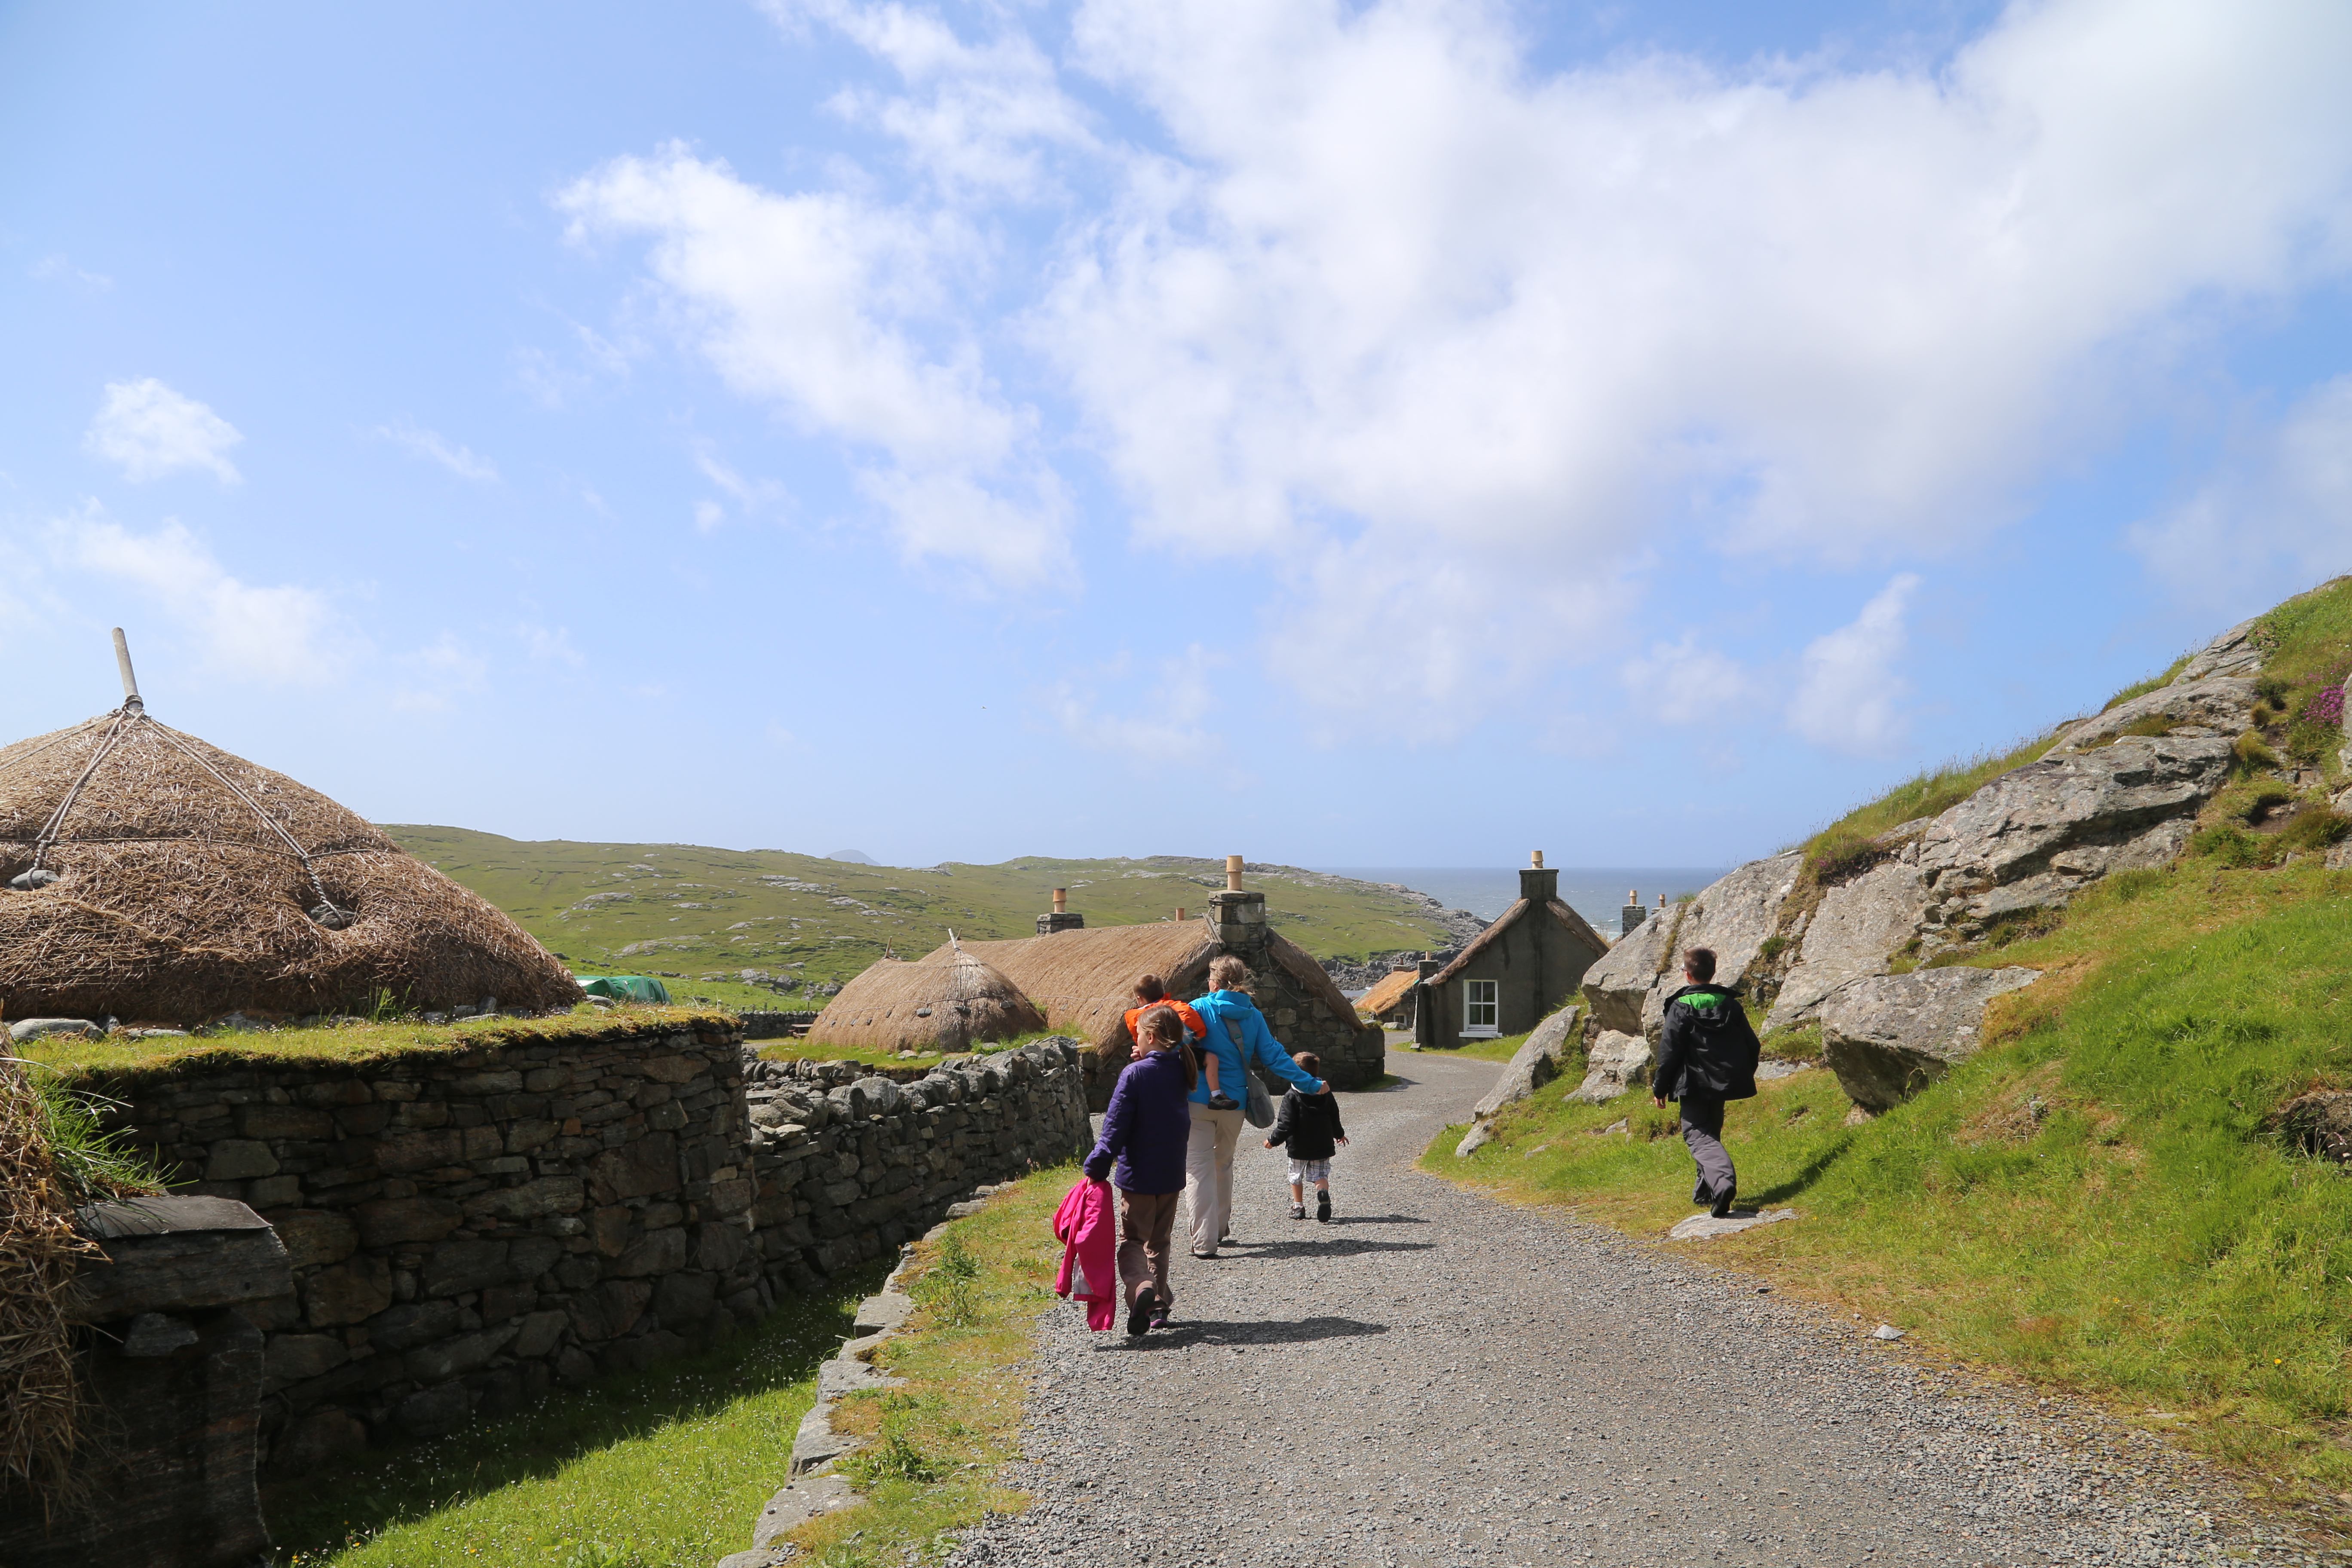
{"x":1088,"y":1232}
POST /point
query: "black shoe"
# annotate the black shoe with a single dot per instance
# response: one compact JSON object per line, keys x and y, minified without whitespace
{"x":1298,"y":1211}
{"x":1722,"y":1209}
{"x":1224,"y":1102}
{"x":1323,"y":1208}
{"x":1139,"y":1316}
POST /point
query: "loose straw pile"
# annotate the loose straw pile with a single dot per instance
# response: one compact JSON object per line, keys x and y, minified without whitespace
{"x":39,"y":1246}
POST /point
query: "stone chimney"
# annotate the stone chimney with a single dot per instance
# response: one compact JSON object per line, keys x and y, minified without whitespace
{"x":1424,"y":966}
{"x":1536,"y":884}
{"x":1063,"y":918}
{"x":1632,"y":914}
{"x":1239,"y":916}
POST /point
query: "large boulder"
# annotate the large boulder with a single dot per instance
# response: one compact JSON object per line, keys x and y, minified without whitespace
{"x":1859,"y":925}
{"x":1887,"y":1036}
{"x":1616,"y":1062}
{"x":1534,"y":1064}
{"x":2223,"y":705}
{"x":2037,"y":834}
{"x":1628,"y":986}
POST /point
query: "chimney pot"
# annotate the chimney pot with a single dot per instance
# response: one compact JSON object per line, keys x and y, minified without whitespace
{"x":1061,"y":900}
{"x":1538,"y":861}
{"x":1232,"y":873}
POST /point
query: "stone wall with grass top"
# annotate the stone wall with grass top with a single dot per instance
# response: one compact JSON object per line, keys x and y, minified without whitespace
{"x":469,"y":1224}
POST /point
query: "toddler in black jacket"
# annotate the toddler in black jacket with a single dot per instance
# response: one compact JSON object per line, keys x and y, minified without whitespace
{"x":1309,"y":1124}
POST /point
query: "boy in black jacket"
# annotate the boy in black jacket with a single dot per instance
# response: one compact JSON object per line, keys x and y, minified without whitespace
{"x":1706,"y":1055}
{"x":1309,"y":1124}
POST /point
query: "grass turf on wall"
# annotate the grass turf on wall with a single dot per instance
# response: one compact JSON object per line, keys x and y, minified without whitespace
{"x":2091,"y":1199}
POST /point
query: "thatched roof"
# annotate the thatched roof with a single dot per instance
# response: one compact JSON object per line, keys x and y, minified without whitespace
{"x":1084,"y":980}
{"x":1388,"y":993}
{"x":168,"y":881}
{"x":948,"y":1001}
{"x":1576,"y":925}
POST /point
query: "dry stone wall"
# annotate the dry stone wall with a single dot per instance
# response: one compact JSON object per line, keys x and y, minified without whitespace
{"x":467,"y":1229}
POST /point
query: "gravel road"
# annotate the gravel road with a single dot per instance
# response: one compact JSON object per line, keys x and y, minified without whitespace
{"x":1437,"y":1377}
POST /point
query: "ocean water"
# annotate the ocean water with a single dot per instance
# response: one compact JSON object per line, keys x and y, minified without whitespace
{"x":1596,"y":892}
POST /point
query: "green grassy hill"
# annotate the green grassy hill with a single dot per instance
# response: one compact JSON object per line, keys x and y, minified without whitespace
{"x":2102,"y":1197}
{"x":687,"y":910}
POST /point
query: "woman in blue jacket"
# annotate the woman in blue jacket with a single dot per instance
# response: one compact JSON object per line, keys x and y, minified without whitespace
{"x":1236,"y":1031}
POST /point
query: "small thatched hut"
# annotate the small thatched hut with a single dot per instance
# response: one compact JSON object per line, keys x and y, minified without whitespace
{"x":1390,"y":1003}
{"x":947,"y":1001}
{"x":146,"y":875}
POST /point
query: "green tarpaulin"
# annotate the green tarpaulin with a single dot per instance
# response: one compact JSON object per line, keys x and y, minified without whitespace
{"x":627,"y":988}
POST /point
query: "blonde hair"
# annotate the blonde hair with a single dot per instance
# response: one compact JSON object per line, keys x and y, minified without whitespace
{"x":1228,"y":974}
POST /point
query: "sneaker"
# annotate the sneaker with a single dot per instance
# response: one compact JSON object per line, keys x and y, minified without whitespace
{"x":1139,"y":1316}
{"x":1323,"y":1208}
{"x":1159,"y":1312}
{"x":1211,"y":1254}
{"x":1298,"y":1211}
{"x":1722,"y":1209}
{"x":1224,"y":1102}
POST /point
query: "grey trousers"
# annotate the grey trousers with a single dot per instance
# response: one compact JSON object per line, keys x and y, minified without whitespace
{"x":1703,"y":1133}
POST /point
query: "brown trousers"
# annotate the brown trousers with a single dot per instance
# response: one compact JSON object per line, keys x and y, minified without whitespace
{"x":1146,"y":1226}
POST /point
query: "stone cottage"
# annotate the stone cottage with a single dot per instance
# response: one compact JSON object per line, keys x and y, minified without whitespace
{"x":1518,"y":972}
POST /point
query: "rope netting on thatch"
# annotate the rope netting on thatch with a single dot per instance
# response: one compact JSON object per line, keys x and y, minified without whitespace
{"x":38,"y":1250}
{"x":949,"y":1001}
{"x":149,"y":875}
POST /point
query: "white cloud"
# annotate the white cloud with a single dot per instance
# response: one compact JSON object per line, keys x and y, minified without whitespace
{"x":58,"y":267}
{"x":285,"y":635}
{"x":1164,"y":728}
{"x":2276,"y":516}
{"x":1848,"y":689}
{"x":820,"y":303}
{"x":1499,"y":328}
{"x":551,"y":645}
{"x":1451,"y":349}
{"x":436,"y":449}
{"x":1683,"y":683}
{"x":977,"y":118}
{"x":148,"y":430}
{"x":438,"y":675}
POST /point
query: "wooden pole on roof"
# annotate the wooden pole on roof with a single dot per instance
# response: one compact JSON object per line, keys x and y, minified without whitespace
{"x":129,"y":682}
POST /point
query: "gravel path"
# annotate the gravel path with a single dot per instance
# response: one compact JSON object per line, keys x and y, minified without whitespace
{"x":1436,"y":1377}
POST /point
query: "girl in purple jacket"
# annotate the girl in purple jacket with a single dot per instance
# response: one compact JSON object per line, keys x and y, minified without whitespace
{"x":1145,"y":1130}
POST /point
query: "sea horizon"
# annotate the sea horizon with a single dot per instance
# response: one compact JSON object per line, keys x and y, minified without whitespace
{"x":1596,"y":892}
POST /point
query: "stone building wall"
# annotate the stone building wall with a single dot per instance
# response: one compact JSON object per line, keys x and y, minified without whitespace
{"x":468,"y":1226}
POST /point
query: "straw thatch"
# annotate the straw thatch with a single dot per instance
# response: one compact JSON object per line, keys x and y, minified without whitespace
{"x":170,"y":882}
{"x":948,"y":1001}
{"x":38,"y":1250}
{"x":1388,"y":992}
{"x":1084,"y":980}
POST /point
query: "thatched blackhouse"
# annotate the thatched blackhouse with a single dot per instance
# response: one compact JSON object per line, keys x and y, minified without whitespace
{"x":151,"y":877}
{"x":947,"y":1001}
{"x":1518,"y":972}
{"x":1083,"y":981}
{"x":1389,"y":1003}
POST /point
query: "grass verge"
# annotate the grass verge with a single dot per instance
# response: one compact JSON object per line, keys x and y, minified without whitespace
{"x":943,"y":1438}
{"x":2093,"y":1199}
{"x":664,"y":1469}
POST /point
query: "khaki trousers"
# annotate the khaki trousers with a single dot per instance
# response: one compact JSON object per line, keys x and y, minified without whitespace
{"x":1209,"y":1176}
{"x":1147,"y":1227}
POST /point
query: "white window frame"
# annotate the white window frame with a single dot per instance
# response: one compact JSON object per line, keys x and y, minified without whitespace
{"x":1477,"y":995}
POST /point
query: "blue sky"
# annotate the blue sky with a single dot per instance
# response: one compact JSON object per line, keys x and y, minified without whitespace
{"x":1393,"y":434}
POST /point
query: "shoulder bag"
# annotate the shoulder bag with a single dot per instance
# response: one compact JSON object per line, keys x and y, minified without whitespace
{"x":1257,"y":1106}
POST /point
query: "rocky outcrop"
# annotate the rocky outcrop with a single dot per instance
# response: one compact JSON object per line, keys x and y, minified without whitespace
{"x":1536,"y":1063}
{"x":2318,"y":1123}
{"x":1616,"y":1062}
{"x":2234,"y":652}
{"x":2037,"y":834}
{"x":2222,"y":705}
{"x":1854,"y":932}
{"x":1886,"y":1037}
{"x":1735,"y":915}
